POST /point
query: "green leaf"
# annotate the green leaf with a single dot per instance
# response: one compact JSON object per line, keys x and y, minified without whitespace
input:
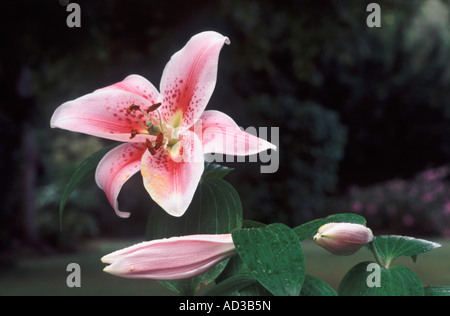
{"x":247,"y":223}
{"x":309,"y":229}
{"x":437,"y":291}
{"x":188,"y":287}
{"x":255,"y":289}
{"x":236,"y":268}
{"x":391,"y":247}
{"x":316,"y":287}
{"x":231,"y":285}
{"x":274,"y":256}
{"x":374,"y":280}
{"x":215,"y":209}
{"x":83,"y":172}
{"x":213,"y":170}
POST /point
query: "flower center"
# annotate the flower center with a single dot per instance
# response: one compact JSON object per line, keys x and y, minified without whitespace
{"x":166,"y":135}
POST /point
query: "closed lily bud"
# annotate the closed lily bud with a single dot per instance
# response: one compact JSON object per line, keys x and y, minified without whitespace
{"x":170,"y":258}
{"x":343,"y":239}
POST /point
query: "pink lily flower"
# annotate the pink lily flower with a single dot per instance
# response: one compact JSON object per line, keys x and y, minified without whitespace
{"x":171,"y":258}
{"x":165,"y":133}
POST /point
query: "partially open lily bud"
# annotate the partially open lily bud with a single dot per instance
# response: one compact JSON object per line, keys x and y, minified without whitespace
{"x":343,"y":239}
{"x":171,"y":258}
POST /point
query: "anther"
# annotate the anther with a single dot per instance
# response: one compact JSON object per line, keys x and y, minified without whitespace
{"x":133,"y":133}
{"x":159,"y":141}
{"x":153,"y":107}
{"x":150,"y":147}
{"x":132,"y":108}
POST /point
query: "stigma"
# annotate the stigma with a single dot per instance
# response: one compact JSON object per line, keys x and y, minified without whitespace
{"x":165,"y":136}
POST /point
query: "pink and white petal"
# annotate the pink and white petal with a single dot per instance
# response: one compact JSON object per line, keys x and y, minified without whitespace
{"x":172,"y":258}
{"x":115,"y":168}
{"x":136,"y":84}
{"x":220,"y":134}
{"x":170,"y":177}
{"x":218,"y":239}
{"x":189,"y":78}
{"x":102,"y":114}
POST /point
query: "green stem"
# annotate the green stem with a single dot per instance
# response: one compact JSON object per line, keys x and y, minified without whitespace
{"x":377,"y":255}
{"x":150,"y":118}
{"x":139,"y":121}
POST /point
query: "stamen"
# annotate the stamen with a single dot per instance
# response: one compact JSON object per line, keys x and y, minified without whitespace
{"x":133,"y":133}
{"x":152,"y":126}
{"x":153,"y":107}
{"x":139,"y":121}
{"x":132,"y":108}
{"x":150,"y":147}
{"x":159,"y":141}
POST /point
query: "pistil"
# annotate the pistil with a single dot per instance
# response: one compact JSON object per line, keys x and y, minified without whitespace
{"x":152,"y":127}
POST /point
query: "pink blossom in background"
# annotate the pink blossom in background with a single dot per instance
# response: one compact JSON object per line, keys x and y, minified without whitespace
{"x":427,"y":197}
{"x":446,"y":233}
{"x":435,"y":174}
{"x":371,"y":209}
{"x":165,"y":133}
{"x":357,"y":207}
{"x":408,"y":220}
{"x":447,"y":208}
{"x":391,"y":210}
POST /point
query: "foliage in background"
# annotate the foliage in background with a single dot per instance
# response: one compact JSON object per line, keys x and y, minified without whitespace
{"x":377,"y":101}
{"x":420,"y":205}
{"x":389,"y":86}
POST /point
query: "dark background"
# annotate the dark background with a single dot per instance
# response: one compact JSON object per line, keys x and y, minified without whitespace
{"x":363,"y":113}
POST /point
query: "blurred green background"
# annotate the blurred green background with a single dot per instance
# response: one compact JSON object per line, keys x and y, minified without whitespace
{"x":363,"y":115}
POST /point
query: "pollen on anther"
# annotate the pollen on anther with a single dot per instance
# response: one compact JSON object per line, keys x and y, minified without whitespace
{"x":150,"y":147}
{"x":132,"y":108}
{"x":133,"y":133}
{"x":159,"y":140}
{"x":153,"y":107}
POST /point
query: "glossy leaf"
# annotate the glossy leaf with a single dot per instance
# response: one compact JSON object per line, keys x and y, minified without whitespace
{"x":274,"y":256}
{"x":213,"y":170}
{"x":83,"y":172}
{"x":309,"y":229}
{"x":216,"y":209}
{"x":232,"y":285}
{"x":235,"y":269}
{"x":391,"y":247}
{"x":437,"y":291}
{"x":316,"y":287}
{"x":396,"y":281}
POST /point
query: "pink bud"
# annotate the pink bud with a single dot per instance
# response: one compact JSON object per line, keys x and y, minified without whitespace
{"x":171,"y":258}
{"x":343,"y":239}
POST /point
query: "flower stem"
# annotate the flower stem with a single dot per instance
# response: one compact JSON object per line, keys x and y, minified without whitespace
{"x":377,"y":255}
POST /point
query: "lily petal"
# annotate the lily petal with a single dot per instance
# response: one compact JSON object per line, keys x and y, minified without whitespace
{"x":172,"y":178}
{"x":115,"y":168}
{"x":136,"y":84}
{"x":220,"y":134}
{"x":172,"y":258}
{"x":102,"y":114}
{"x":189,"y":78}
